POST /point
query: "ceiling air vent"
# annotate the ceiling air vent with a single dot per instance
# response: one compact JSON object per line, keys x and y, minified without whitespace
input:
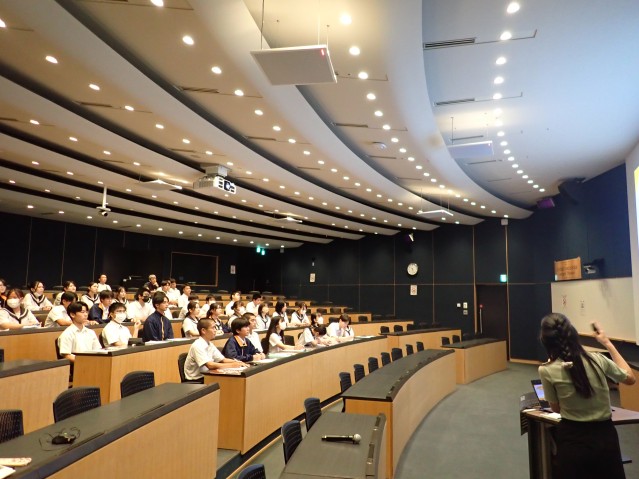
{"x":182,"y":150}
{"x":454,"y":102}
{"x":351,"y":125}
{"x":460,"y":42}
{"x":308,"y":168}
{"x":260,"y":138}
{"x":194,"y":89}
{"x":4,"y":118}
{"x":94,"y":104}
{"x":381,"y":157}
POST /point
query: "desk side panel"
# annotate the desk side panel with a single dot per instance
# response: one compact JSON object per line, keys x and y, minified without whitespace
{"x":484,"y":360}
{"x":232,"y":420}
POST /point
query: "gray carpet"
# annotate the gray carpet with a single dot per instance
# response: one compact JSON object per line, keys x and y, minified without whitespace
{"x":473,"y":433}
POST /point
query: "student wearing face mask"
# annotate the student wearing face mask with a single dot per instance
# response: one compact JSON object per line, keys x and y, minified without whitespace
{"x":115,"y":333}
{"x":280,"y":310}
{"x":275,"y":335}
{"x":140,"y":309}
{"x":14,"y":315}
{"x":36,"y":300}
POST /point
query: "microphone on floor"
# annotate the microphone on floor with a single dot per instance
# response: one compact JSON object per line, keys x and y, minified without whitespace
{"x":355,"y":438}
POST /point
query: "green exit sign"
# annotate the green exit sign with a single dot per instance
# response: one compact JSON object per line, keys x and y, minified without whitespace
{"x":503,"y":278}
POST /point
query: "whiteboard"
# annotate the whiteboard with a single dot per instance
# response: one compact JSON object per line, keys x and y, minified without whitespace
{"x":609,"y":301}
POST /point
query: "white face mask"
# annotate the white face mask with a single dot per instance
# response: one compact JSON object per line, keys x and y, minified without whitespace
{"x":282,"y":325}
{"x":13,"y":302}
{"x":320,"y":320}
{"x":120,"y":317}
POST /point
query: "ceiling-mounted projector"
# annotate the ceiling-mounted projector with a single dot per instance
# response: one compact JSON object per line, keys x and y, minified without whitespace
{"x":215,"y":178}
{"x":303,"y":65}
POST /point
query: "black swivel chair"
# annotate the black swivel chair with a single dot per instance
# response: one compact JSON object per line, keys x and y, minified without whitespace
{"x":445,"y":340}
{"x":466,"y":336}
{"x":384,"y":330}
{"x":410,"y":327}
{"x":136,"y":381}
{"x":420,"y":346}
{"x":312,"y":410}
{"x":359,"y":371}
{"x":362,"y":318}
{"x":373,"y":365}
{"x":291,"y":438}
{"x":256,"y":471}
{"x":398,"y":328}
{"x":386,"y":359}
{"x":456,"y":338}
{"x":75,"y":401}
{"x":1,"y":355}
{"x":396,"y":354}
{"x":181,"y":362}
{"x":409,"y":349}
{"x":10,"y":424}
{"x":344,"y":383}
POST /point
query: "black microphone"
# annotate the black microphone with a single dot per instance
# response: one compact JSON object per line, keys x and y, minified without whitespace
{"x":355,"y":438}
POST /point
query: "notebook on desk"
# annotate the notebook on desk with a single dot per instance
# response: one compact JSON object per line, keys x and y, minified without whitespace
{"x":539,"y":392}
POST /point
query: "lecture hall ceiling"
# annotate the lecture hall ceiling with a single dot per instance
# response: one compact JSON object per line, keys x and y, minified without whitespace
{"x":123,"y":93}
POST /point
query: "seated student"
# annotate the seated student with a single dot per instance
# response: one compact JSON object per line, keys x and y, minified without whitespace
{"x":14,"y":315}
{"x":119,"y":296}
{"x":239,"y":346}
{"x":185,"y":310}
{"x":210,"y":300}
{"x":203,"y":356}
{"x":91,"y":297}
{"x":36,"y":300}
{"x":174,"y":293}
{"x":298,"y":318}
{"x":99,"y":312}
{"x":313,"y":335}
{"x":184,"y":299}
{"x":214,"y":315}
{"x":253,"y":337}
{"x":263,"y":319}
{"x":236,"y":296}
{"x":275,"y":335}
{"x":102,"y":283}
{"x":280,"y":310}
{"x":115,"y":333}
{"x":341,"y":330}
{"x":252,"y":306}
{"x":152,"y":285}
{"x":3,"y":292}
{"x":237,"y":313}
{"x":58,"y":315}
{"x":189,"y":325}
{"x":77,"y":338}
{"x":140,"y":309}
{"x":165,"y":287}
{"x":157,"y":327}
{"x":67,"y":286}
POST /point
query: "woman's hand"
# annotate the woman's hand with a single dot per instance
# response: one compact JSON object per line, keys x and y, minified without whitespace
{"x":600,"y":334}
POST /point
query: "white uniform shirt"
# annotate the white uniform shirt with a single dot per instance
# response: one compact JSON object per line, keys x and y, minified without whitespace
{"x":263,"y":323}
{"x":334,"y":331}
{"x":254,"y":338}
{"x":103,"y":287}
{"x":229,"y":310}
{"x":135,"y":310}
{"x":33,"y":303}
{"x":200,"y":353}
{"x":86,"y":299}
{"x":274,"y":340}
{"x":75,"y":340}
{"x":284,"y":315}
{"x":189,"y":325}
{"x":183,"y":301}
{"x":173,"y":294}
{"x":297,"y":319}
{"x":25,"y":317}
{"x":305,"y":337}
{"x":56,"y":313}
{"x":251,"y":307}
{"x":115,"y":333}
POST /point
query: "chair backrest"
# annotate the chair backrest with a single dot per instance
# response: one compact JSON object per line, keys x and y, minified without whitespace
{"x":359,"y":371}
{"x":398,"y":328}
{"x":136,"y":381}
{"x":1,"y":355}
{"x":291,"y":438}
{"x":386,"y":359}
{"x":183,"y":333}
{"x":181,"y":362}
{"x":10,"y":424}
{"x":75,"y":401}
{"x":333,"y":319}
{"x":396,"y":354}
{"x":256,"y":471}
{"x":289,"y":340}
{"x":362,"y":317}
{"x":384,"y":330}
{"x":373,"y":365}
{"x":321,"y":310}
{"x":264,"y":343}
{"x":57,"y":348}
{"x":313,"y":411}
{"x":410,"y":327}
{"x":344,"y":381}
{"x":445,"y":340}
{"x":420,"y":346}
{"x":456,"y":338}
{"x":409,"y":349}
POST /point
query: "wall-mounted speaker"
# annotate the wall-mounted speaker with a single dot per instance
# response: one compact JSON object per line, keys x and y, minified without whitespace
{"x":545,"y":203}
{"x":572,"y":190}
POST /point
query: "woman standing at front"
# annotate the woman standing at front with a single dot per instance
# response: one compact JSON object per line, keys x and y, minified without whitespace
{"x":575,"y":386}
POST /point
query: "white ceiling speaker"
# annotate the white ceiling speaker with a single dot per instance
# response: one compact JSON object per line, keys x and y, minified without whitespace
{"x":305,"y":65}
{"x":379,"y":145}
{"x":471,"y":150}
{"x":160,"y":185}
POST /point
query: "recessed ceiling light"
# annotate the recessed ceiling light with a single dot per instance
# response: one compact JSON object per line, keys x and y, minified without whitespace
{"x":379,"y":195}
{"x":73,"y":138}
{"x":357,"y":184}
{"x":297,"y":193}
{"x":291,"y":140}
{"x":311,"y":198}
{"x":239,"y":92}
{"x":157,"y":3}
{"x":70,"y":173}
{"x":394,"y":140}
{"x":442,"y":186}
{"x":136,"y":163}
{"x":410,"y":158}
{"x":503,"y":143}
{"x":34,"y":122}
{"x":186,"y":141}
{"x":368,"y":190}
{"x":345,"y":19}
{"x":234,"y":240}
{"x":465,"y":200}
{"x":371,"y":96}
{"x":51,"y":59}
{"x":433,"y":180}
{"x":277,"y":128}
{"x":346,"y":178}
{"x":30,"y":207}
{"x":337,"y":208}
{"x":2,"y":24}
{"x":530,"y":182}
{"x":506,"y":152}
{"x":188,"y":39}
{"x":128,"y":190}
{"x":512,"y":7}
{"x":35,"y":163}
{"x":333,"y":170}
{"x":379,"y":113}
{"x":390,"y":200}
{"x":46,"y":191}
{"x":497,"y":96}
{"x":402,"y":150}
{"x":265,"y":180}
{"x":115,"y":222}
{"x":61,"y":212}
{"x":306,"y":152}
{"x":472,"y":203}
{"x":129,"y":107}
{"x":498,"y":80}
{"x":482,"y":207}
{"x":500,"y":133}
{"x":525,"y":177}
{"x":541,"y":190}
{"x":515,"y":165}
{"x":386,"y":127}
{"x":199,"y":234}
{"x":362,"y":75}
{"x":282,"y":187}
{"x":519,"y":172}
{"x":506,"y":36}
{"x":159,"y":126}
{"x":176,"y":203}
{"x":500,"y":61}
{"x":320,"y":162}
{"x":511,"y":158}
{"x":259,"y":112}
{"x":217,"y":70}
{"x":249,"y":172}
{"x":160,"y":229}
{"x":354,"y":50}
{"x":535,"y":186}
{"x":106,"y":152}
{"x":154,"y":196}
{"x":419,"y":167}
{"x":180,"y":232}
{"x":229,"y":163}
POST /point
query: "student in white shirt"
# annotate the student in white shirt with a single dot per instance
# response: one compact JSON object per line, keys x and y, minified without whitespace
{"x":280,"y":310}
{"x":141,"y":308}
{"x":275,"y":335}
{"x":102,"y":283}
{"x":237,"y":309}
{"x":203,"y":356}
{"x":174,"y":293}
{"x":185,"y":310}
{"x":253,"y":337}
{"x":236,"y":296}
{"x":253,"y":305}
{"x":115,"y":333}
{"x":91,"y":297}
{"x":67,"y":286}
{"x":184,"y":299}
{"x":314,"y":335}
{"x":341,"y":330}
{"x":299,"y":318}
{"x":165,"y":287}
{"x":189,"y":325}
{"x":14,"y":315}
{"x":214,"y":312}
{"x":36,"y":300}
{"x":77,"y":338}
{"x":210,"y":300}
{"x":120,"y":296}
{"x":58,"y":315}
{"x":263,"y":319}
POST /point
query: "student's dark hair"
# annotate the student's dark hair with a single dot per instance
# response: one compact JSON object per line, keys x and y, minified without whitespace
{"x":271,"y":329}
{"x":76,"y":307}
{"x":239,"y":323}
{"x":204,"y":324}
{"x":68,"y":296}
{"x":279,"y":306}
{"x":119,"y":289}
{"x":68,"y":283}
{"x":91,"y":283}
{"x":3,"y":281}
{"x":173,"y":280}
{"x":235,"y":292}
{"x":561,"y":340}
{"x":345,"y":317}
{"x":247,"y":316}
{"x":141,"y":291}
{"x":209,"y":297}
{"x":34,"y":284}
{"x":300,"y":304}
{"x":19,"y":293}
{"x":193,"y":297}
{"x":260,"y":308}
{"x":191,"y":306}
{"x":165,"y":282}
{"x":256,"y":296}
{"x":184,"y":287}
{"x":320,"y":329}
{"x":313,"y":319}
{"x":158,"y":298}
{"x":105,"y":293}
{"x":115,"y":306}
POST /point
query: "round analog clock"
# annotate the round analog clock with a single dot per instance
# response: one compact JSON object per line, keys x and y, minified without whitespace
{"x":412,"y":269}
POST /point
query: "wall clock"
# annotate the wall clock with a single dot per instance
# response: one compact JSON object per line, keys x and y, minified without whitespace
{"x":412,"y":269}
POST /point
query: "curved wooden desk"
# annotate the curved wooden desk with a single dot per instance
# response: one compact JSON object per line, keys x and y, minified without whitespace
{"x":258,"y":401}
{"x":477,"y":358}
{"x":629,"y":395}
{"x":404,"y":391}
{"x":432,"y":338}
{"x":32,"y":386}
